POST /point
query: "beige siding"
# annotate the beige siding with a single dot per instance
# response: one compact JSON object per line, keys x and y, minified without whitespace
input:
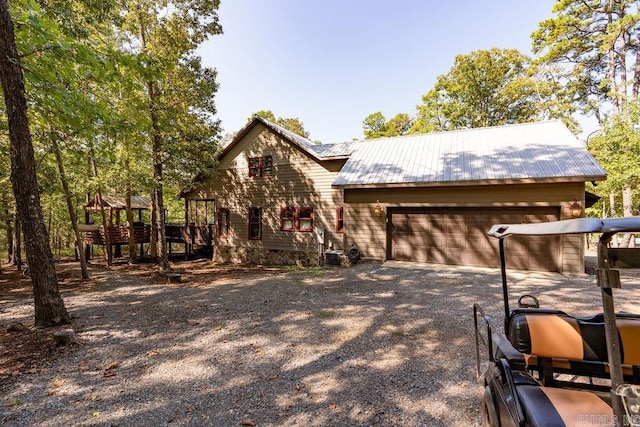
{"x":298,"y":180}
{"x":368,"y":231}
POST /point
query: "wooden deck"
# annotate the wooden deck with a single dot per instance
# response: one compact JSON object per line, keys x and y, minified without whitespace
{"x":198,"y":235}
{"x":118,"y":235}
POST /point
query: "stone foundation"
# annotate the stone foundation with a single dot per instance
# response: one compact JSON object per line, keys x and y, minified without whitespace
{"x":242,"y":255}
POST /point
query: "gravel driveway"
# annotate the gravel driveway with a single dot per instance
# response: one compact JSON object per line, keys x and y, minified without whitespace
{"x":370,"y":345}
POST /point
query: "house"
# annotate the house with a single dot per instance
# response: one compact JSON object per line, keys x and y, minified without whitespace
{"x":422,"y":198}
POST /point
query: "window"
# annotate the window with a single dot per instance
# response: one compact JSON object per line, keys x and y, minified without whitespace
{"x":260,"y":166}
{"x":255,"y":223}
{"x":223,"y":222}
{"x":296,"y":219}
{"x":305,"y":219}
{"x":288,"y":219}
{"x":340,"y":220}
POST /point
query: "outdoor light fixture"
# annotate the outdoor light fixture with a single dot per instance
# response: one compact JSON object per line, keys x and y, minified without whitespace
{"x":575,"y":210}
{"x":378,"y":209}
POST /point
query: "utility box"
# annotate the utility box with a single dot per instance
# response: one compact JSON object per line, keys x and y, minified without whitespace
{"x":333,"y":258}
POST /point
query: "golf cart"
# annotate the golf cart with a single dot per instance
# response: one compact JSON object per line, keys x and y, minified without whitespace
{"x":550,"y":368}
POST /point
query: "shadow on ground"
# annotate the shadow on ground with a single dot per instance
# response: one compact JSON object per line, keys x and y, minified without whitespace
{"x":368,"y":345}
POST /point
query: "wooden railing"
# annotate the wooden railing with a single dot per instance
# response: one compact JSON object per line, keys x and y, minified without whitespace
{"x":118,"y":234}
{"x":201,"y":235}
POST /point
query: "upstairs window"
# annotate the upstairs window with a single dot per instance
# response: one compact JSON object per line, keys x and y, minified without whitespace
{"x":255,"y":223}
{"x":296,"y":219}
{"x":223,"y":222}
{"x":260,"y":166}
{"x":340,"y":220}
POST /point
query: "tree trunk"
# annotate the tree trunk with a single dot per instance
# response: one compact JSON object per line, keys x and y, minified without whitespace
{"x":105,"y":223}
{"x":8,"y":227}
{"x":611,"y":66}
{"x":612,"y":204}
{"x":48,"y":303}
{"x":158,"y":199}
{"x":132,"y":237}
{"x":16,"y":251}
{"x":635,"y":89}
{"x":612,"y":212}
{"x":627,"y":210}
{"x":72,"y":212}
{"x":153,"y":244}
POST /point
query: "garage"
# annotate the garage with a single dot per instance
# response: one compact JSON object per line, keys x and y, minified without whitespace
{"x":431,"y":198}
{"x":458,"y":236}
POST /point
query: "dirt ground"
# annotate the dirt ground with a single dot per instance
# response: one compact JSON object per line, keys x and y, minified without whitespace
{"x":369,"y":345}
{"x":25,"y":349}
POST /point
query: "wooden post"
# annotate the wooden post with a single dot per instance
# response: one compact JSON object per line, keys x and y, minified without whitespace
{"x":187,"y":249}
{"x":87,"y":247}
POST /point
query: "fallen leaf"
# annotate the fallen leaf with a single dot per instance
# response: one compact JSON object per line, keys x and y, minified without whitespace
{"x":153,"y":353}
{"x":247,"y":423}
{"x":112,"y":366}
{"x":109,"y":373}
{"x":57,"y":383}
{"x":332,"y":406}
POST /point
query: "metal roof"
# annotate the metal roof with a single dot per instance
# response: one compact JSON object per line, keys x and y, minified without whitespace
{"x":341,"y":149}
{"x":523,"y":152}
{"x":118,"y":202}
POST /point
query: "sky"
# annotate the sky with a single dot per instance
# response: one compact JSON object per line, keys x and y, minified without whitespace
{"x":331,"y":63}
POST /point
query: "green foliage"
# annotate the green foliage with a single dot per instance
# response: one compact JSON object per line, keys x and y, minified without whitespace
{"x":87,"y":64}
{"x":490,"y":88}
{"x":376,"y":125}
{"x":292,"y":124}
{"x":596,"y":42}
{"x":617,"y":147}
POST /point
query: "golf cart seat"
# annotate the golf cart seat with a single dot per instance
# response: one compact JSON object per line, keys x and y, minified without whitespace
{"x":553,"y":341}
{"x":549,"y":406}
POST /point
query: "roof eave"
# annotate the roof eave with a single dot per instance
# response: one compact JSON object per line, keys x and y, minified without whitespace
{"x":585,"y":178}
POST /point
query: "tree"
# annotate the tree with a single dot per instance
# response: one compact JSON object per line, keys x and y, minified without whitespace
{"x":375,"y":125}
{"x":177,"y":90}
{"x":48,"y":303}
{"x":292,"y":124}
{"x":597,"y":43}
{"x":399,"y":125}
{"x":490,"y":88}
{"x":618,"y":147}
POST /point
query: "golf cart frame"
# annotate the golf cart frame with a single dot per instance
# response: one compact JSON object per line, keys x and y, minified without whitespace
{"x":549,"y":368}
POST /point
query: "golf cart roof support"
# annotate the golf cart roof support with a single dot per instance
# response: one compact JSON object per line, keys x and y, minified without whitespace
{"x":503,"y":272}
{"x":608,"y":279}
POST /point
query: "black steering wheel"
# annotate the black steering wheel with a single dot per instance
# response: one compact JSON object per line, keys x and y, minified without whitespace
{"x":522,"y":303}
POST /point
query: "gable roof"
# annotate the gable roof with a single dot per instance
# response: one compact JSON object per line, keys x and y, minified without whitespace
{"x":119,"y":203}
{"x":299,"y":141}
{"x":542,"y":151}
